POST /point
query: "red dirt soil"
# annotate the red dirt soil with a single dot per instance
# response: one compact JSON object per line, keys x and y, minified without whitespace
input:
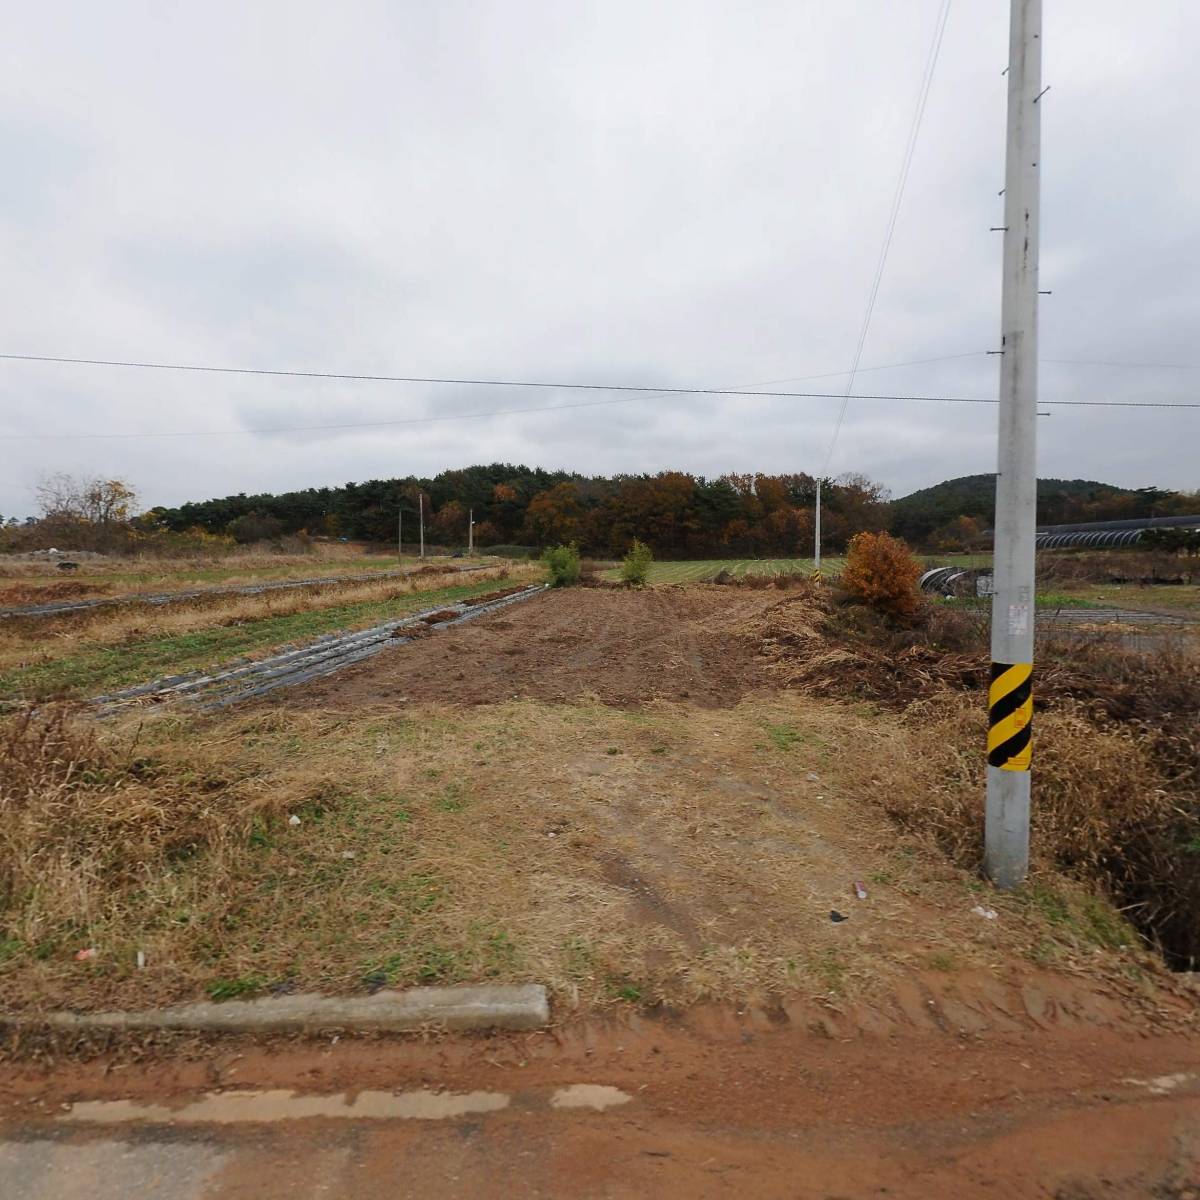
{"x":624,"y":647}
{"x":722,"y":1105}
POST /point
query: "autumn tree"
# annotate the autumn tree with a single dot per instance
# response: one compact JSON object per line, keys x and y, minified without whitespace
{"x":86,"y":514}
{"x":772,"y":493}
{"x":882,"y":572}
{"x":788,"y":532}
{"x":659,"y":509}
{"x":94,"y":501}
{"x":553,"y":516}
{"x":449,"y":523}
{"x":486,"y":534}
{"x":956,"y":536}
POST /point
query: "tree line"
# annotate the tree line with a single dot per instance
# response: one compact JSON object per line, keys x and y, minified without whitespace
{"x":675,"y":513}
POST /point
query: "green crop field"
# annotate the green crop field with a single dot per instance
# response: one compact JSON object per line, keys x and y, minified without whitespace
{"x":699,"y":570}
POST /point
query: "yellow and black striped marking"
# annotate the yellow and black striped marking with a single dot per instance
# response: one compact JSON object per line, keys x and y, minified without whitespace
{"x":1010,"y":716}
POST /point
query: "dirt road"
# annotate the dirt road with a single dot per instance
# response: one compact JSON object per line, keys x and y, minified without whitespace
{"x":729,"y":1105}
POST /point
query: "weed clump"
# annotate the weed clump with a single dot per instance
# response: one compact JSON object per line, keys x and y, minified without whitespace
{"x":635,"y":567}
{"x":562,"y":564}
{"x":881,"y":572}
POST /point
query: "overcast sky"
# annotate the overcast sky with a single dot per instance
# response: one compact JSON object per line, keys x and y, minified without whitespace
{"x":681,"y":193}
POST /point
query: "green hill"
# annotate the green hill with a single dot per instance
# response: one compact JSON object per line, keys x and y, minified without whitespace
{"x":915,"y":517}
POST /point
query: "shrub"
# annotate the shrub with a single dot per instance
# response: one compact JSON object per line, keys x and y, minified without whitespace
{"x":635,"y":567}
{"x":563,"y":564}
{"x":882,"y":573}
{"x":254,"y":527}
{"x":297,"y":543}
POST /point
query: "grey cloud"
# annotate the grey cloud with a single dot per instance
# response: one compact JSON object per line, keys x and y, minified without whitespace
{"x":675,"y":194}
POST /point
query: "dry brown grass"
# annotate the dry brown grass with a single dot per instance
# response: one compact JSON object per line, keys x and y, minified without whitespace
{"x":181,"y":569}
{"x":1105,"y":566}
{"x":1117,"y":747}
{"x":28,"y":580}
{"x":86,"y":821}
{"x":25,"y":642}
{"x":668,"y":854}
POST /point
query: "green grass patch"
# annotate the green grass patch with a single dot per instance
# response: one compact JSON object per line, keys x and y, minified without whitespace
{"x":1085,"y":918}
{"x":785,"y":736}
{"x":1063,"y":600}
{"x":1043,"y":600}
{"x":232,"y":989}
{"x":629,"y":992}
{"x":453,"y":799}
{"x":700,"y":570}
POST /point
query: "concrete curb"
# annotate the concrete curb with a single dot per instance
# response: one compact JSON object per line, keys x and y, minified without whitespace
{"x":488,"y":1006}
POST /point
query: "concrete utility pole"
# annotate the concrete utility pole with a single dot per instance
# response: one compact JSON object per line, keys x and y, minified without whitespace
{"x":817,"y":533}
{"x":421,"y":510}
{"x":470,"y":531}
{"x":1010,"y":696}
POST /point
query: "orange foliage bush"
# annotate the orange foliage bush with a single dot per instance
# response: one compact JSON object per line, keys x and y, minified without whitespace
{"x":882,"y":572}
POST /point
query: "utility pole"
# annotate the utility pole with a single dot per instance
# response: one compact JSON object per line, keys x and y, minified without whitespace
{"x":817,"y":534}
{"x":400,"y":535}
{"x":1010,"y":696}
{"x":421,"y":509}
{"x":470,"y":531}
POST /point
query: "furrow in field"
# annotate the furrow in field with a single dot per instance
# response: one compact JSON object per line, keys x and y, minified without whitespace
{"x":242,"y":680}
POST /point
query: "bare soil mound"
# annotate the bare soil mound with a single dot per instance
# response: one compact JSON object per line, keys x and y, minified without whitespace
{"x":624,"y":647}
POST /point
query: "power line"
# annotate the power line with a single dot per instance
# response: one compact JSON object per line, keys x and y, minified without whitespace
{"x":504,"y":412}
{"x":637,"y":392}
{"x":362,"y":378}
{"x":893,"y":217}
{"x":1118,"y":403}
{"x":1100,"y":362}
{"x":644,"y":392}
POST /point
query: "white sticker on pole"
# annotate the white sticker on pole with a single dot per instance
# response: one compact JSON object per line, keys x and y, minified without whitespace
{"x":1018,"y":620}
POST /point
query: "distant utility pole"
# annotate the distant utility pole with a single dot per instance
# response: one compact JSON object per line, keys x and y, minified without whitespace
{"x":421,"y":509}
{"x":1010,"y":696}
{"x":817,"y":533}
{"x":400,"y":535}
{"x":470,"y":531}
